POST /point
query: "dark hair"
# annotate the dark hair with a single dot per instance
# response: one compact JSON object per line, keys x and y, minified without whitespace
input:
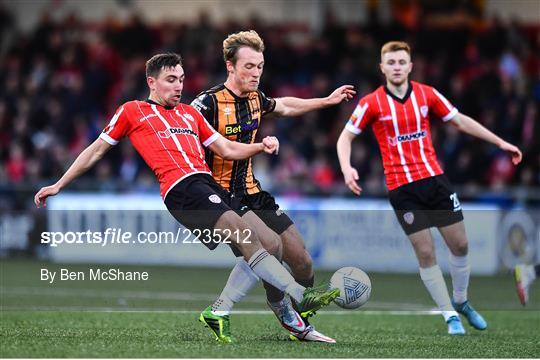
{"x":157,"y":62}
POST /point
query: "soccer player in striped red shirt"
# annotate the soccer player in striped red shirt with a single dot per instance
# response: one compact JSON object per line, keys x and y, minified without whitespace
{"x":169,"y":136}
{"x":399,"y":114}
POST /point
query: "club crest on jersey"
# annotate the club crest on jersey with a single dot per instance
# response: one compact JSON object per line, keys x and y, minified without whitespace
{"x":167,"y":133}
{"x":408,"y":217}
{"x":214,"y":198}
{"x":406,"y":137}
{"x":424,"y":110}
{"x":236,"y":128}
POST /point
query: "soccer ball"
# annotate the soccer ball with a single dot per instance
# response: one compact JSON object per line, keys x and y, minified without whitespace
{"x":354,"y":287}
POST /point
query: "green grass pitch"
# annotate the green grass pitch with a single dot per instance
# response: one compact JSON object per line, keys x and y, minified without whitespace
{"x":158,"y":318}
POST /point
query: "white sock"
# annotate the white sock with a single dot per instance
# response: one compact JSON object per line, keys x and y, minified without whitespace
{"x":460,"y":271}
{"x":240,"y":281}
{"x":434,"y":282}
{"x":268,"y":268}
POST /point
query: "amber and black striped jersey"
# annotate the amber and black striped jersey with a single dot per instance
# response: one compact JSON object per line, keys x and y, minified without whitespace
{"x":238,"y":119}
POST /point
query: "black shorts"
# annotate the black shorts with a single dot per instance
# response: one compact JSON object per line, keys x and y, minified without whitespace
{"x":197,"y":202}
{"x":426,"y":203}
{"x":264,"y":206}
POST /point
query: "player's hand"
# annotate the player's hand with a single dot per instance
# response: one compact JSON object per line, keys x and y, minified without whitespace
{"x":44,"y":193}
{"x":351,"y":179}
{"x":271,"y":145}
{"x":514,"y":152}
{"x":342,"y":93}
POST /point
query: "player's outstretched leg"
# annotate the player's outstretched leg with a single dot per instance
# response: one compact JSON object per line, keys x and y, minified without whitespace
{"x":301,"y":264}
{"x":298,"y":259}
{"x":217,"y":323}
{"x":268,"y":268}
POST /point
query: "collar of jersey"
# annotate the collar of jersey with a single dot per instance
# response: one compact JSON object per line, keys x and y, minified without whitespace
{"x":236,"y":96}
{"x":401,"y":100}
{"x":155,"y":103}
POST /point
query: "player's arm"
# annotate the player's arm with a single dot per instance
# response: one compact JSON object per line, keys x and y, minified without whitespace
{"x":86,"y":159}
{"x":293,"y":106}
{"x":350,"y":175}
{"x":470,"y":126}
{"x":232,"y":150}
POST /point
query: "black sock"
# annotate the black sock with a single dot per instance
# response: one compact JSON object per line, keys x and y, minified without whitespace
{"x":306,"y":282}
{"x":536,"y":270}
{"x":272,"y":293}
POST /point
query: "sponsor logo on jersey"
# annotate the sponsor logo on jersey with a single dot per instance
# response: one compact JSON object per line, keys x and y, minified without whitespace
{"x":227,"y":111}
{"x":214,"y":198}
{"x":165,"y":134}
{"x":385,"y":118}
{"x":407,"y":137}
{"x":236,"y":128}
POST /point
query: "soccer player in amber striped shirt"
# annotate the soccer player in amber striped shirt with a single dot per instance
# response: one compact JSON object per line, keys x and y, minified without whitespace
{"x":236,"y":109}
{"x":399,"y":114}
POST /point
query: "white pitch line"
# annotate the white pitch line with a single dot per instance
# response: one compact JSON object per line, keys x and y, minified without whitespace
{"x":174,"y":296}
{"x":126,"y":294}
{"x":197,"y":312}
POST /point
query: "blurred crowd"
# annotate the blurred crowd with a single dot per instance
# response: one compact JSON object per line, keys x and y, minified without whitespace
{"x":60,"y":83}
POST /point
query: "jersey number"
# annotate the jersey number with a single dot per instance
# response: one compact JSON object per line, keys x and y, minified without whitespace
{"x":455,"y":200}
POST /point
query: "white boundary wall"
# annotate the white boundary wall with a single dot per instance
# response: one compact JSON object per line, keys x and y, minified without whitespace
{"x":338,"y":232}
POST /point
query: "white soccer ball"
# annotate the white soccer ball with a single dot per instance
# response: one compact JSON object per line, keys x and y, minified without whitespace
{"x":354,"y":287}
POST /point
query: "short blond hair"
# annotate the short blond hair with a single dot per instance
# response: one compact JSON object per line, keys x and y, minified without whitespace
{"x":235,"y":41}
{"x":392,"y":46}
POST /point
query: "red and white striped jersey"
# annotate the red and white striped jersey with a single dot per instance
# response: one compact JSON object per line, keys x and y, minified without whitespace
{"x":169,"y":140}
{"x":401,"y":127}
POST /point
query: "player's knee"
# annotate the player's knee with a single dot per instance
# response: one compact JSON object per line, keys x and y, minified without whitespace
{"x":302,"y":265}
{"x":269,"y":240}
{"x":272,"y":244}
{"x":426,"y":256}
{"x":461,"y":248}
{"x":243,"y":236}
